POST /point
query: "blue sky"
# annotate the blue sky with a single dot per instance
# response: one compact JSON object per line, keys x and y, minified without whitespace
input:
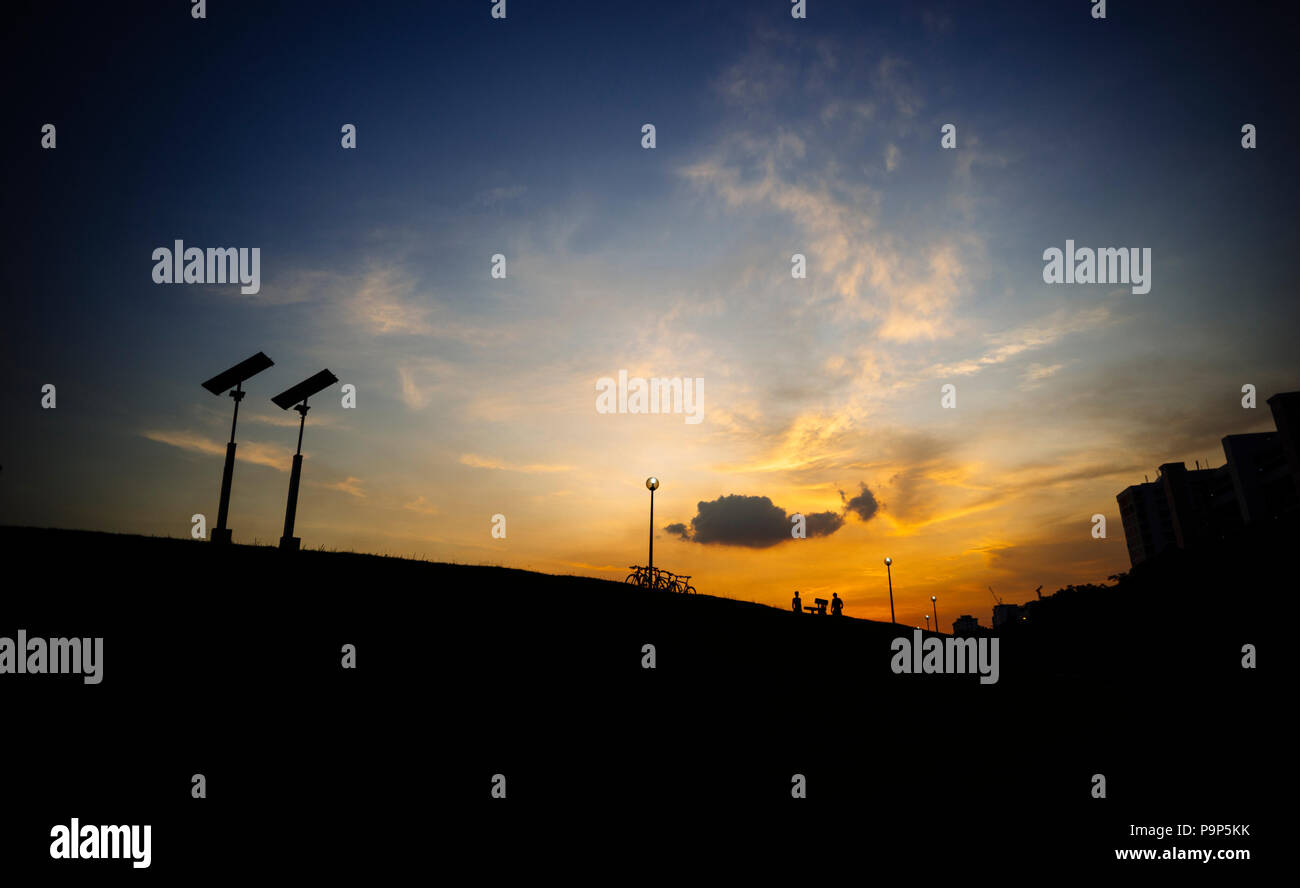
{"x":774,"y":136}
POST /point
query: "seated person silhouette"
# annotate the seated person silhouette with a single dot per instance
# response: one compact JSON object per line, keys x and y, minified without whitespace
{"x":797,"y":604}
{"x":837,"y":604}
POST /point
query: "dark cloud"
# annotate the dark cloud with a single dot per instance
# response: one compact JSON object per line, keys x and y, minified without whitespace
{"x":863,"y":505}
{"x":756,"y":522}
{"x":823,"y":523}
{"x":678,"y":530}
{"x":737,"y":520}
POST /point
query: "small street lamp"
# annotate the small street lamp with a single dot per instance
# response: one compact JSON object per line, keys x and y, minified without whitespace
{"x":888,"y":562}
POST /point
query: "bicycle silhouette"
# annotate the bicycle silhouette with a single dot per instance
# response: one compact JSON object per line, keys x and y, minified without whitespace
{"x":655,"y":578}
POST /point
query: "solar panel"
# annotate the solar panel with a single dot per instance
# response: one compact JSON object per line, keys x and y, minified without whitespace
{"x":238,"y":373}
{"x":305,"y":389}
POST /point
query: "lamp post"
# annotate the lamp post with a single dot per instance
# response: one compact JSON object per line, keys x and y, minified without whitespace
{"x":936,"y":613}
{"x":235,"y":377}
{"x":296,"y":398}
{"x":890,"y":576}
{"x":221,"y":534}
{"x":287,"y":539}
{"x":927,"y":623}
{"x":652,"y":483}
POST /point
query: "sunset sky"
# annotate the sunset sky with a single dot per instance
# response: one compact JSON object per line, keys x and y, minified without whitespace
{"x":774,"y":136}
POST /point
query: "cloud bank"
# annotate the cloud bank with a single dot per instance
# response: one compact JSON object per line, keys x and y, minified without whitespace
{"x":756,"y":522}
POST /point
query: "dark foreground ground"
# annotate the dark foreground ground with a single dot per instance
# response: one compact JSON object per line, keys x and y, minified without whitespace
{"x":226,"y":662}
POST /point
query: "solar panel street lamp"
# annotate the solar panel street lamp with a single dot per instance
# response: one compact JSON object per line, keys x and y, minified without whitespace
{"x":235,"y":376}
{"x":296,"y":398}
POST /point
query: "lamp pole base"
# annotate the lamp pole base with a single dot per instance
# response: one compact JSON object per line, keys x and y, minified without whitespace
{"x":289,"y":542}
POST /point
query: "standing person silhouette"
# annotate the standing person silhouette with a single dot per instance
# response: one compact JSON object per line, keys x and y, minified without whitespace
{"x":836,"y":604}
{"x":796,"y":605}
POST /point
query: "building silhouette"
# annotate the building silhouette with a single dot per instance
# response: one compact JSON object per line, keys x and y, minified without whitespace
{"x":1185,"y":508}
{"x":965,"y":626}
{"x":1004,"y":614}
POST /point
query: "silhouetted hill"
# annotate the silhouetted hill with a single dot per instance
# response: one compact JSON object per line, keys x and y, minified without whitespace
{"x":516,"y":626}
{"x":232,"y":654}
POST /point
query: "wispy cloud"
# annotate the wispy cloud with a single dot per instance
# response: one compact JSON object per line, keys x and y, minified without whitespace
{"x":248,"y":451}
{"x":289,"y":419}
{"x":421,"y":505}
{"x":351,"y":486}
{"x":1012,"y":343}
{"x":1036,"y":373}
{"x":480,"y":462}
{"x":383,"y":305}
{"x":908,"y":289}
{"x":491,"y":196}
